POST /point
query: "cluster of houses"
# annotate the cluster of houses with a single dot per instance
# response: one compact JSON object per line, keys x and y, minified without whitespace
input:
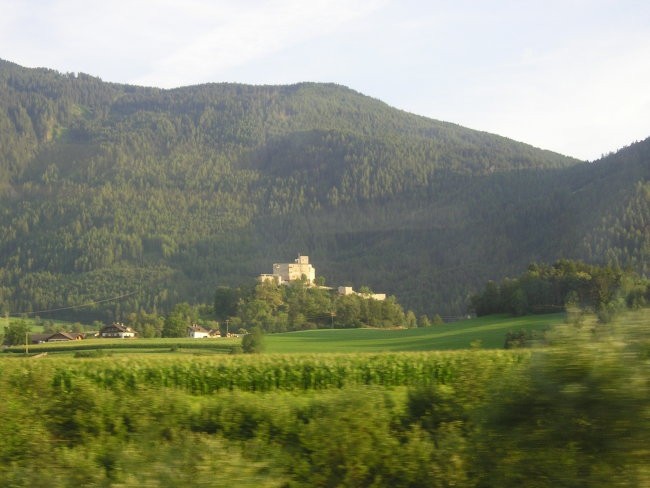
{"x":116,"y":330}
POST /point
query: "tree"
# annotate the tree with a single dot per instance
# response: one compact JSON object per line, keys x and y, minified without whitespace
{"x":518,"y":304}
{"x":256,"y":313}
{"x":348,"y":311}
{"x":146,"y":324}
{"x":225,"y":302}
{"x":177,"y":322}
{"x":253,"y":343}
{"x":77,"y":327}
{"x":411,"y":321}
{"x":424,"y":321}
{"x":52,"y":327}
{"x":16,"y":333}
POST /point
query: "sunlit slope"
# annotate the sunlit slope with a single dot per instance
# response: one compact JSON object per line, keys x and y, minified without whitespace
{"x":485,"y":332}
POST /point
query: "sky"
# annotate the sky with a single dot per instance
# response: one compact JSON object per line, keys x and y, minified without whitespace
{"x":571,"y":76}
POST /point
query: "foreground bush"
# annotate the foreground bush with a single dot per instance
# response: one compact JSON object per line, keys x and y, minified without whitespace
{"x":573,"y":414}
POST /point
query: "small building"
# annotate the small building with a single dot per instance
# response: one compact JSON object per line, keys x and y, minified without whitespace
{"x":56,"y":337}
{"x":197,"y":332}
{"x":347,"y":290}
{"x":117,"y":330}
{"x":64,"y":337}
{"x":38,"y":338}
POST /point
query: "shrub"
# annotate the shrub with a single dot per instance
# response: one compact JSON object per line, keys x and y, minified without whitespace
{"x":253,"y":343}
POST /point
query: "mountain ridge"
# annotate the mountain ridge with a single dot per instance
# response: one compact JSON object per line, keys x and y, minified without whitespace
{"x":180,"y":190}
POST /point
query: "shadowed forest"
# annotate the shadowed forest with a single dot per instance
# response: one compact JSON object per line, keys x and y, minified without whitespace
{"x":159,"y":196}
{"x":160,"y":207}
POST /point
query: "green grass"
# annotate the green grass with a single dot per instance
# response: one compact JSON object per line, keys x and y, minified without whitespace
{"x":134,"y":346}
{"x":35,"y":324}
{"x":490,"y":331}
{"x":484,"y":332}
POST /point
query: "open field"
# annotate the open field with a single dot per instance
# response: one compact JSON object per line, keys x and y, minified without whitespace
{"x":205,"y":375}
{"x":466,"y":418}
{"x":485,"y":332}
{"x":36,"y":324}
{"x":121,"y":346}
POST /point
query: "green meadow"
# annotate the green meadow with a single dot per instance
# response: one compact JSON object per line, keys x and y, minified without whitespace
{"x":484,"y":332}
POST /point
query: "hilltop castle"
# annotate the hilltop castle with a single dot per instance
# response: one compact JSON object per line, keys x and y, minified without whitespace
{"x":284,"y":273}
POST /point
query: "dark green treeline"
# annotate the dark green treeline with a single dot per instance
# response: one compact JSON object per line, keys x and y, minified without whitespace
{"x":157,"y":196}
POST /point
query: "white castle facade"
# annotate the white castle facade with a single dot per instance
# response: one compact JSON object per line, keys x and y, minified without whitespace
{"x":284,"y":273}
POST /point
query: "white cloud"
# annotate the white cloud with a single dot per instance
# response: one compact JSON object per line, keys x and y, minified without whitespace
{"x":246,"y":33}
{"x":165,"y":43}
{"x":584,"y":99}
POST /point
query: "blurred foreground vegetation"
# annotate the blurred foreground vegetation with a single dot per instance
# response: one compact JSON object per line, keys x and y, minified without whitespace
{"x":572,"y":413}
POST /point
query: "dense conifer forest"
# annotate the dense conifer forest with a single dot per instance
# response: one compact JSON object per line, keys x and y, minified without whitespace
{"x":159,"y":196}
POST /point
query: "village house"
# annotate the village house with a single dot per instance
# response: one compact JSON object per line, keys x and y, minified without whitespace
{"x":64,"y":336}
{"x":56,"y":337}
{"x":116,"y":330}
{"x":198,"y":332}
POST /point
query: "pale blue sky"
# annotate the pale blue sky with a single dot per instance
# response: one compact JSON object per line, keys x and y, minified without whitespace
{"x":571,"y":76}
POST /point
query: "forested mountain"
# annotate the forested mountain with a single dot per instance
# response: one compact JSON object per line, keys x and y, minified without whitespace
{"x":159,"y":196}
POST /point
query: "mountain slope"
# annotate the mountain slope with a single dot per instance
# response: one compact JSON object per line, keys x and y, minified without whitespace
{"x":110,"y":189}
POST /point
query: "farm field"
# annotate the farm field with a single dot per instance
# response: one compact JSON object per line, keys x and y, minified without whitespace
{"x":484,"y":333}
{"x":468,"y":418}
{"x":35,"y":325}
{"x":133,"y":346}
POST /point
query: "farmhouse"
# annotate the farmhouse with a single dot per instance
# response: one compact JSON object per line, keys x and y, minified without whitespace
{"x":116,"y":330}
{"x":64,"y":336}
{"x":283,"y":273}
{"x":55,"y":337}
{"x":197,"y":332}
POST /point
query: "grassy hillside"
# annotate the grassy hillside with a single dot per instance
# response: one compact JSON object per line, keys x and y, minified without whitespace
{"x":157,"y":196}
{"x":485,"y":332}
